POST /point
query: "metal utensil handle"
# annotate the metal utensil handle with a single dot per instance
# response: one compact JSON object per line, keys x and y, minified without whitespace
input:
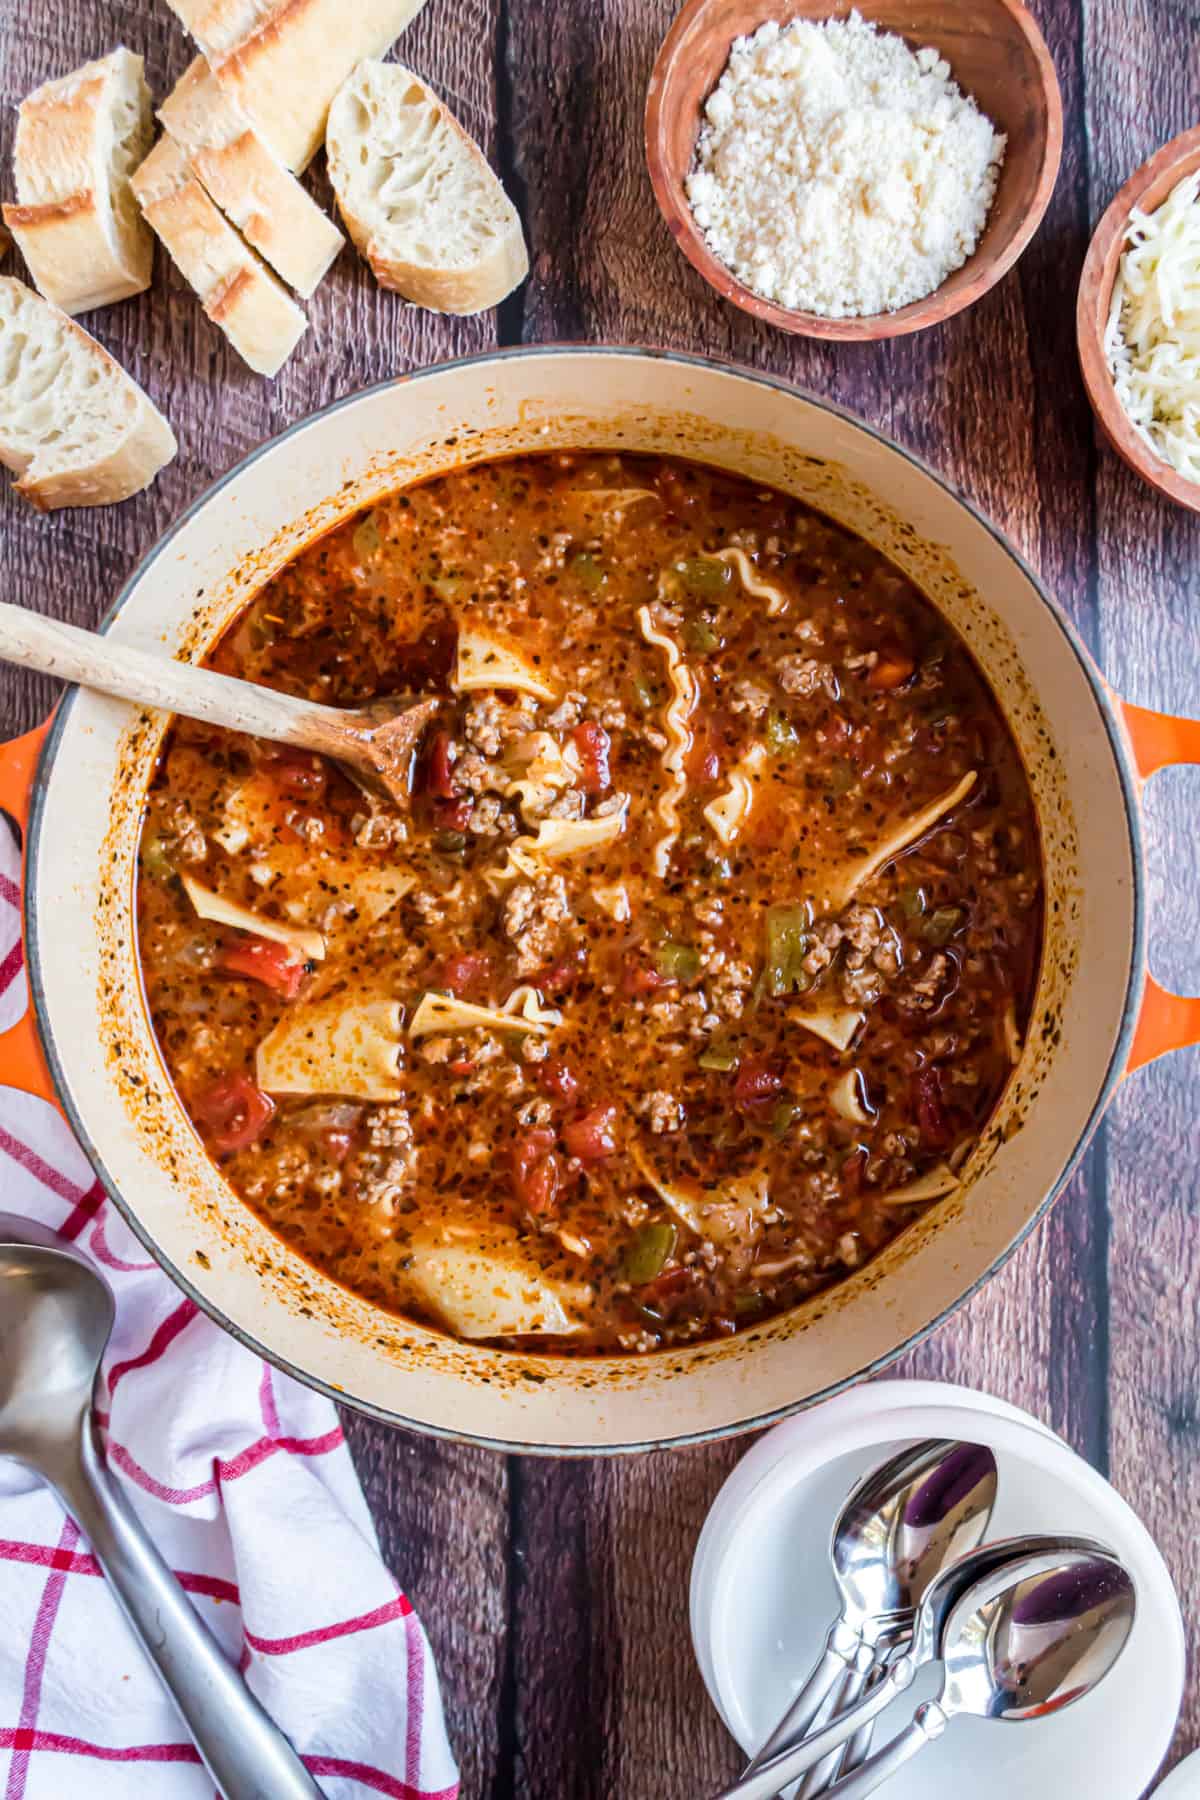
{"x":858,"y":1749}
{"x":929,"y":1722}
{"x":893,"y":1636}
{"x":243,"y":1750}
{"x":841,"y":1646}
{"x":55,"y":648}
{"x":851,"y":1689}
{"x":778,"y":1771}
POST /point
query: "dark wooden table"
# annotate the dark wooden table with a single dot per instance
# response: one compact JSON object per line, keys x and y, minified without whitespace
{"x":556,"y":1593}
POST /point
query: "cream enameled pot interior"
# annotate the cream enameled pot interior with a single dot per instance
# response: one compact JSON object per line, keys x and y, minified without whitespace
{"x":100,"y":758}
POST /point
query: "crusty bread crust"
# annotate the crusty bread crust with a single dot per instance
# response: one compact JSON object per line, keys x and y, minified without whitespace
{"x":75,"y":221}
{"x":282,"y":61}
{"x":248,"y":182}
{"x":462,"y":278}
{"x":74,"y":427}
{"x":240,"y":295}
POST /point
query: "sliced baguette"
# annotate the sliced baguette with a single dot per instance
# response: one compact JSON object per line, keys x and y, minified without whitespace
{"x":418,"y":196}
{"x":240,"y":296}
{"x":247,"y":180}
{"x":74,"y":427}
{"x":78,"y":140}
{"x":282,"y":61}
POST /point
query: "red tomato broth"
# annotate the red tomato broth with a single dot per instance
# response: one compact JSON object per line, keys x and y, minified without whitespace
{"x":677,"y":1056}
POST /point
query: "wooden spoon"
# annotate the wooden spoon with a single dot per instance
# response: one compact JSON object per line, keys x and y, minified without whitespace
{"x":374,"y":743}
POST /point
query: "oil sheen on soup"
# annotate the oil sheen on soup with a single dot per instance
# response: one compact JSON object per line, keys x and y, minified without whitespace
{"x":694,"y":967}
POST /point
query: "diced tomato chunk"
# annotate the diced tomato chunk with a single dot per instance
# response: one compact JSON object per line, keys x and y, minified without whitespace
{"x":593,"y":1136}
{"x":262,"y":960}
{"x":892,"y":670}
{"x":452,"y":815}
{"x":535,"y":1171}
{"x":339,"y":1144}
{"x":439,"y":767}
{"x":558,"y":1078}
{"x":930,"y":1108}
{"x":559,"y":977}
{"x":703,"y":761}
{"x":639,"y":978}
{"x":235,"y":1111}
{"x":593,"y":744}
{"x":756,"y":1083}
{"x":466,"y":972}
{"x":296,"y":772}
{"x":671,"y":1281}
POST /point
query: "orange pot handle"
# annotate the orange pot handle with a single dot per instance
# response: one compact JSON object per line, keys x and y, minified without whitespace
{"x":1167,"y":1021}
{"x":22,"y":1064}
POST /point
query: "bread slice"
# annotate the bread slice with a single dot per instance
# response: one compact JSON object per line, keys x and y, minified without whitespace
{"x":240,"y":296}
{"x":247,"y":180}
{"x":74,"y":427}
{"x":282,"y":61}
{"x":78,"y":141}
{"x":417,"y":194}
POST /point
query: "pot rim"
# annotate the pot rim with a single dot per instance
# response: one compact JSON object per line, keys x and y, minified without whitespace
{"x":1134,"y":979}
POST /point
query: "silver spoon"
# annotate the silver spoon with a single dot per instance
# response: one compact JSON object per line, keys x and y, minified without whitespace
{"x":56,"y":1314}
{"x":374,"y":743}
{"x":899,"y":1527}
{"x":1017,"y":1646}
{"x":1032,"y":1555}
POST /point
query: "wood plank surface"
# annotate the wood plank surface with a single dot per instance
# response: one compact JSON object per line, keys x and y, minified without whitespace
{"x":555,"y":1595}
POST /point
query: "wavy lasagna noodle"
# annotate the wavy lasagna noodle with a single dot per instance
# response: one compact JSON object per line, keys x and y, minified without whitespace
{"x":681,"y":706}
{"x":556,"y":839}
{"x":730,"y":811}
{"x":753,"y":582}
{"x":522,"y":1012}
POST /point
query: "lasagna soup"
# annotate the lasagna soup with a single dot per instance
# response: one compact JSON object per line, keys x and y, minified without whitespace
{"x":698,"y":959}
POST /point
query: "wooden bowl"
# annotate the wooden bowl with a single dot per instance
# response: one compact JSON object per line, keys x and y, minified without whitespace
{"x":996,"y":54}
{"x":1147,"y":188}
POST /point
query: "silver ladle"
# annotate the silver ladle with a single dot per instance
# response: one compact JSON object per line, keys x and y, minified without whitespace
{"x":899,"y":1527}
{"x":1014,"y":1559}
{"x":56,"y":1314}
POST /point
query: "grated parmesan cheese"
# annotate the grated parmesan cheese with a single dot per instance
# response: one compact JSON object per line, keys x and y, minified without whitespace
{"x":1152,"y":340}
{"x":839,"y":172}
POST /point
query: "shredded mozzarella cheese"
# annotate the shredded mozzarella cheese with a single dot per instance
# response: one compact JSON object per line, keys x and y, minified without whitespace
{"x":1152,"y":341}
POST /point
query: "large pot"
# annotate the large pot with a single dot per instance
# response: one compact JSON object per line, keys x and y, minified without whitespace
{"x":1096,"y":1015}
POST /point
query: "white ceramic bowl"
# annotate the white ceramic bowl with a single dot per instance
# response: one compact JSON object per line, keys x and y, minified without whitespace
{"x":763,"y":1596}
{"x":1183,"y":1783}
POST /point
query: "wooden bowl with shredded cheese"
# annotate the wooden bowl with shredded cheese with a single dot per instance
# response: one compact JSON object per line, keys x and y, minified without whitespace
{"x":1145,"y":191}
{"x":996,"y":55}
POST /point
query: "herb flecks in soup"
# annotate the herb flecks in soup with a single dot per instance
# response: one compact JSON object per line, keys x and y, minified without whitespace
{"x":700,"y":959}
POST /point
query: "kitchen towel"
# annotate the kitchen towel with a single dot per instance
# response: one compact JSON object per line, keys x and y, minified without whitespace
{"x":243,"y":1480}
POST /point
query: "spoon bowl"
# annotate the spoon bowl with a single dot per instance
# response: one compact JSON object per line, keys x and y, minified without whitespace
{"x":56,"y":1314}
{"x":906,"y":1522}
{"x":1023,"y":1650}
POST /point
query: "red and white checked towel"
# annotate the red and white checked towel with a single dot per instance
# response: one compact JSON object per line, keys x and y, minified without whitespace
{"x":243,"y":1479}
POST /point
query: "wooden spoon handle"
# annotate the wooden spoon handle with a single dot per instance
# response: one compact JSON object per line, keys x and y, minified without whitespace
{"x":96,"y":662}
